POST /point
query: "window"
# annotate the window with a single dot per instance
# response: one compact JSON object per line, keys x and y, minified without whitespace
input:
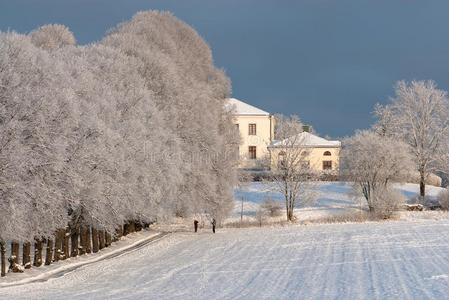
{"x":252,"y":152}
{"x":281,"y":160}
{"x":327,"y":165}
{"x":327,"y":153}
{"x":251,"y":129}
{"x":237,"y":126}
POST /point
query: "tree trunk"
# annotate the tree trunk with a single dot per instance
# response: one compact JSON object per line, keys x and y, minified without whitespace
{"x":26,"y":255}
{"x":49,"y":252}
{"x":88,"y":240}
{"x":108,"y":239}
{"x":83,"y":235}
{"x":3,"y":258}
{"x":125,"y":229}
{"x":15,"y":248}
{"x":422,"y":186}
{"x":118,"y":233}
{"x":289,"y":214}
{"x":94,"y":240}
{"x":37,"y":253}
{"x":66,"y":249}
{"x":74,"y":236}
{"x":101,"y":238}
{"x":132,"y":227}
{"x":59,"y":244}
{"x":138,"y":226}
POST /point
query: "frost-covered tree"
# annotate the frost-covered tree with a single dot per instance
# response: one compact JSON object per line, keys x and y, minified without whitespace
{"x":372,"y":162}
{"x":178,"y":69}
{"x":35,"y":115}
{"x":292,"y":174}
{"x":52,"y":36}
{"x":419,"y":115}
{"x":34,"y":118}
{"x":129,"y":130}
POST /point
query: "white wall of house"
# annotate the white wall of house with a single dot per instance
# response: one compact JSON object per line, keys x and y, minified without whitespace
{"x":256,"y":129}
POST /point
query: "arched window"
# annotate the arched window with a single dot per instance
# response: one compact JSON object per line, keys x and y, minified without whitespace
{"x":327,"y":153}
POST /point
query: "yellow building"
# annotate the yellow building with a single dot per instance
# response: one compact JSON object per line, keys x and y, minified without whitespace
{"x":256,"y":131}
{"x":259,"y":150}
{"x":319,"y":154}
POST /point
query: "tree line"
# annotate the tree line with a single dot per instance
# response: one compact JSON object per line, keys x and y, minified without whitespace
{"x":121,"y":132}
{"x":409,"y":142}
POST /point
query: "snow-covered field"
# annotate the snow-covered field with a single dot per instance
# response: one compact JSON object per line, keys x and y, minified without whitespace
{"x":405,"y":259}
{"x":331,"y":198}
{"x":387,"y":260}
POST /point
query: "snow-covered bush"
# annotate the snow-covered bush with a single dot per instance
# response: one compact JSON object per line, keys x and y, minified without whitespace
{"x":443,"y":199}
{"x":386,"y":202}
{"x":272,"y":208}
{"x":261,"y":215}
{"x":373,"y":162}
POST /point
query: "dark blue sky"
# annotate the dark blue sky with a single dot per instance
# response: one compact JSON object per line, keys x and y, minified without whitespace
{"x":329,"y":61}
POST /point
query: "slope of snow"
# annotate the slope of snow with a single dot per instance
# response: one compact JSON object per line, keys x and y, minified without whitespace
{"x":387,"y":260}
{"x":331,"y":198}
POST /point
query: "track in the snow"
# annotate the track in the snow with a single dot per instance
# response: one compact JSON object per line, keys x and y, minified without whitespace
{"x":103,"y":258}
{"x":373,"y":260}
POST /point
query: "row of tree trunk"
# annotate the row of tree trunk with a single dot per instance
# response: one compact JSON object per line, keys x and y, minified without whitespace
{"x":69,"y":242}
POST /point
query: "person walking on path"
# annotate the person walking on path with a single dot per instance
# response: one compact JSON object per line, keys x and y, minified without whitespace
{"x":195,"y":224}
{"x":213,"y":225}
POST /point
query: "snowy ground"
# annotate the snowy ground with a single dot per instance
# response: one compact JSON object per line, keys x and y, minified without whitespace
{"x":405,"y":259}
{"x":387,"y":260}
{"x":331,"y":198}
{"x":125,"y":244}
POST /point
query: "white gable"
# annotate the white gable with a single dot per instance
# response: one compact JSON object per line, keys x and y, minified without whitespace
{"x":242,"y":108}
{"x":306,"y":139}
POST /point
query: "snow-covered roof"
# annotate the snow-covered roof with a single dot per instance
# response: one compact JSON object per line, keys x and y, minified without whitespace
{"x":242,"y":108}
{"x":306,"y":139}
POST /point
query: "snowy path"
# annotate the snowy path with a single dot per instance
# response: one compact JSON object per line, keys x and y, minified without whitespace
{"x":60,"y":269}
{"x":390,"y":260}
